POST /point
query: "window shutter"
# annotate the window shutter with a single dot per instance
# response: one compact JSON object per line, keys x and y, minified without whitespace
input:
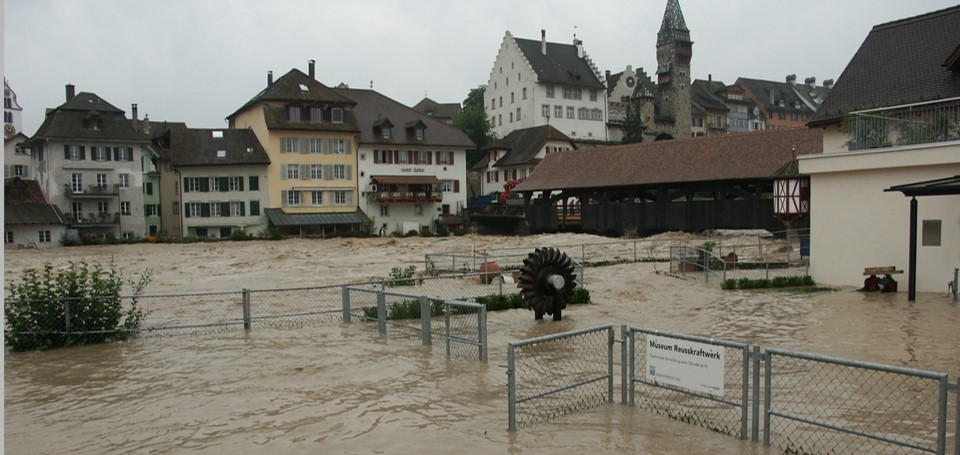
{"x":304,"y":172}
{"x":376,"y":157}
{"x":430,"y":158}
{"x":186,"y":188}
{"x":396,"y":156}
{"x":204,"y":185}
{"x":254,"y":183}
{"x":224,"y":209}
{"x":239,"y":183}
{"x":349,"y":172}
{"x":224,"y":184}
{"x":241,"y":209}
{"x":83,"y":153}
{"x":283,"y":198}
{"x":456,"y":186}
{"x":186,"y":210}
{"x":205,"y":210}
{"x":349,"y":197}
{"x":116,"y":153}
{"x":66,"y":152}
{"x":106,"y":151}
{"x":283,"y":172}
{"x":451,"y":157}
{"x":255,"y":208}
{"x":328,"y":172}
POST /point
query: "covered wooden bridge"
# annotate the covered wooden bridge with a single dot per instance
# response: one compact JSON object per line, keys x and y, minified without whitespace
{"x":696,"y":184}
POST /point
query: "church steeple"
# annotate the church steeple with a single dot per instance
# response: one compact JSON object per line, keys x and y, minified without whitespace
{"x":674,"y":51}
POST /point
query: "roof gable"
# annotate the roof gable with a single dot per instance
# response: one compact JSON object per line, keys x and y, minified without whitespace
{"x":23,"y":203}
{"x":561,"y":64}
{"x":86,"y":116}
{"x":739,"y":156}
{"x":295,"y":86}
{"x":900,"y":62}
{"x":525,"y":144}
{"x":211,"y":147}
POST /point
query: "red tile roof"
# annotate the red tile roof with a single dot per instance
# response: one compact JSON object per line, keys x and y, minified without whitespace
{"x":743,"y":156}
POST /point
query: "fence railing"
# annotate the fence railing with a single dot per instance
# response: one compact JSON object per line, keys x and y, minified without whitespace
{"x":657,"y":362}
{"x":811,"y":403}
{"x":815,"y":404}
{"x":691,"y":259}
{"x":559,"y":374}
{"x":919,"y":123}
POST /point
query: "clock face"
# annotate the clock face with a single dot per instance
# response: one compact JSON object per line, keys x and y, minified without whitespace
{"x":9,"y":130}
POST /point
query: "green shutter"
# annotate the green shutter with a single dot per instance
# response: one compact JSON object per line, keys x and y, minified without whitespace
{"x":255,"y":208}
{"x":83,"y":153}
{"x":241,"y":209}
{"x":224,"y":183}
{"x":205,"y":185}
{"x":254,"y":183}
{"x":240,"y":182}
{"x":66,"y":152}
{"x":205,"y":210}
{"x":186,"y":187}
{"x":224,"y":209}
{"x":186,"y":210}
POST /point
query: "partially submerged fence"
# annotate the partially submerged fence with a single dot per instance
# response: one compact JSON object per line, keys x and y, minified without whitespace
{"x":559,"y":374}
{"x":810,"y":403}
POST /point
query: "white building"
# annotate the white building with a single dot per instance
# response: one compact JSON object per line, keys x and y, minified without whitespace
{"x":16,"y":159}
{"x":90,"y":162}
{"x":412,"y":168}
{"x":859,"y":218}
{"x":535,"y":83}
{"x":516,"y":155}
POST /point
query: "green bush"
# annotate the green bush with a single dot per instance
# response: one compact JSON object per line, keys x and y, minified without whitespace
{"x":580,"y":296}
{"x":404,"y":277}
{"x":74,"y":305}
{"x":777,"y":282}
{"x":412,"y":233}
{"x":459,"y":232}
{"x":240,"y":235}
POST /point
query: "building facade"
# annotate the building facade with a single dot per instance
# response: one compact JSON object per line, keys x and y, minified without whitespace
{"x":535,"y":83}
{"x":309,"y":134}
{"x":90,"y":162}
{"x":905,"y":138}
{"x":514,"y":157}
{"x":29,"y":221}
{"x":215,"y":182}
{"x":412,"y":168}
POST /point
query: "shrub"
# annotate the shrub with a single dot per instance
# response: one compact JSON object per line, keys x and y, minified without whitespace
{"x":580,"y":295}
{"x":460,"y":232}
{"x":77,"y":304}
{"x":777,"y":282}
{"x":240,"y":235}
{"x":404,"y":277}
{"x":412,"y":233}
{"x":442,"y":231}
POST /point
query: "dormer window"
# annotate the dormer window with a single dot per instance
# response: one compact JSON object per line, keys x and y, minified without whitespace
{"x":294,"y":113}
{"x":386,"y":131}
{"x":316,"y":114}
{"x":418,"y":132}
{"x":92,"y":121}
{"x":336,"y":115}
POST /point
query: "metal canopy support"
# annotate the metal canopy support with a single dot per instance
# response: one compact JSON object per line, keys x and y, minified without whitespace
{"x":912,"y":267}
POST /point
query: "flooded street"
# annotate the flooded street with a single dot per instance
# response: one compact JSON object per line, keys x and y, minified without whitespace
{"x":335,"y":388}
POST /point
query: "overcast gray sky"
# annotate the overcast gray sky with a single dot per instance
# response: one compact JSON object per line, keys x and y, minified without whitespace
{"x":197,"y":61}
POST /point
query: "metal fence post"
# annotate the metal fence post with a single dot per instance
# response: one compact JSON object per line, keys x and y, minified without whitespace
{"x":345,"y":303}
{"x":511,"y":389}
{"x":381,"y":313}
{"x":426,"y":333}
{"x":767,"y":398}
{"x":611,"y":339}
{"x":623,"y":363}
{"x":482,"y":335}
{"x":247,"y":323}
{"x":755,"y":358}
{"x":956,"y":433}
{"x":942,"y":417}
{"x":446,"y":325}
{"x":66,"y":314}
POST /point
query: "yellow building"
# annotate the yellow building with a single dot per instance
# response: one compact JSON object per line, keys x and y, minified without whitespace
{"x":309,"y":132}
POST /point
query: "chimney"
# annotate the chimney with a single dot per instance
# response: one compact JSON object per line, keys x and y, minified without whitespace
{"x":269,"y":78}
{"x":792,"y":79}
{"x":133,"y":111}
{"x":607,"y":75}
{"x":310,"y":69}
{"x":810,"y":82}
{"x":709,"y":77}
{"x":71,"y":92}
{"x":579,"y":45}
{"x":543,"y":41}
{"x":828,"y":83}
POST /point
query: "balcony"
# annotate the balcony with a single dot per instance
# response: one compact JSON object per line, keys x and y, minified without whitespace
{"x":406,"y":196}
{"x":920,"y":123}
{"x":93,"y":219}
{"x":92,"y":191}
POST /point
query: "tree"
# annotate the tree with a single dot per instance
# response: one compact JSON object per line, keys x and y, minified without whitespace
{"x":633,"y":125}
{"x":472,"y":119}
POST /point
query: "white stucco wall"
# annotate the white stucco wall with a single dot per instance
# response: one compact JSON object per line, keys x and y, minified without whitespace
{"x":854,"y":223}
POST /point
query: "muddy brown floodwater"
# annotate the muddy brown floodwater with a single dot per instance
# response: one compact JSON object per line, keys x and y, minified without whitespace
{"x":343,"y":389}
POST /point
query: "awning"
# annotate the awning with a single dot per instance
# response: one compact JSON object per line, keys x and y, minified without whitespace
{"x":938,"y":187}
{"x":405,"y":179}
{"x":279,"y":218}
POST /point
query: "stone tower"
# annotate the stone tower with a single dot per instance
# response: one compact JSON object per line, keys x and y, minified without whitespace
{"x":674,"y":50}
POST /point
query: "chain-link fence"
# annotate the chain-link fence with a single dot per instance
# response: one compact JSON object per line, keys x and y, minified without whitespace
{"x":559,"y":374}
{"x":710,"y":265}
{"x":688,"y":386}
{"x":818,"y":404}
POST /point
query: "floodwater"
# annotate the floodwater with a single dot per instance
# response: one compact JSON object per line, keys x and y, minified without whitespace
{"x":344,"y":389}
